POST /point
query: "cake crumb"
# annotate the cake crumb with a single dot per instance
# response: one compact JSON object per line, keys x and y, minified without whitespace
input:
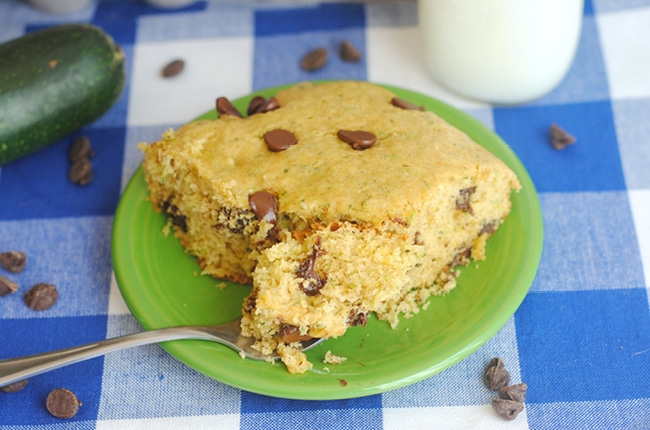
{"x":295,"y":360}
{"x":333,"y":358}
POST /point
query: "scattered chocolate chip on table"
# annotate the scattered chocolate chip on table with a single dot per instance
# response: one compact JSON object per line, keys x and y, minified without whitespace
{"x":62,"y":403}
{"x":13,"y":261}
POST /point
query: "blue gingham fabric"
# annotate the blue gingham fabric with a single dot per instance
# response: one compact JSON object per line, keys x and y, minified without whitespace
{"x":580,"y":340}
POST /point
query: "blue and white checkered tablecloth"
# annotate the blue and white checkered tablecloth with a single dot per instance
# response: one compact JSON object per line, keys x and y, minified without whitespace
{"x":580,"y":340}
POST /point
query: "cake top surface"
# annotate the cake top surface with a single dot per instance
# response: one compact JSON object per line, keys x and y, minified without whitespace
{"x":416,"y":154}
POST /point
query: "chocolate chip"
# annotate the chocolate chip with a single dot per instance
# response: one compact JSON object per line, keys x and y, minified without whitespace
{"x":358,"y":139}
{"x":291,"y":333}
{"x":278,"y":140}
{"x":232,"y":219}
{"x":41,"y":297}
{"x":495,"y":375}
{"x":62,"y":403}
{"x":560,"y":138}
{"x":314,"y":59}
{"x":176,"y":217}
{"x":264,"y":205}
{"x":461,"y":258}
{"x":80,"y":149}
{"x":516,"y":392}
{"x":357,"y":318}
{"x":259,"y":104}
{"x":16,"y":386}
{"x":463,"y":199}
{"x":311,"y":281}
{"x":348,"y":52}
{"x":256,"y":103}
{"x":507,"y":409}
{"x":81,"y":172}
{"x":403,"y":104}
{"x":224,"y":107}
{"x":173,"y":68}
{"x":271,"y":104}
{"x":13,"y":261}
{"x":489,"y":228}
{"x":7,"y":286}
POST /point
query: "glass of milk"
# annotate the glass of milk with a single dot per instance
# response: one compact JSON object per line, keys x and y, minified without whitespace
{"x":500,"y":51}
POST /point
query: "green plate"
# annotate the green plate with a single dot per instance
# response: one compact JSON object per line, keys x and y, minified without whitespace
{"x":163,"y":287}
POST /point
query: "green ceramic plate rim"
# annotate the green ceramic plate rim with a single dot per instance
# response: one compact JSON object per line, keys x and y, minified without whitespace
{"x":379,"y":358}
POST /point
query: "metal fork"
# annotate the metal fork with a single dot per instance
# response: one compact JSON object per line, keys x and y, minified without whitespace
{"x":19,"y":368}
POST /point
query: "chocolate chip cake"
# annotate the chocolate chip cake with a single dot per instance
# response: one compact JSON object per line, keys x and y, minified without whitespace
{"x":334,"y":200}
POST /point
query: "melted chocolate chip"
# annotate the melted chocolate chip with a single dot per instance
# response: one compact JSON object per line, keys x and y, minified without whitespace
{"x":250,"y":302}
{"x":462,"y":201}
{"x":489,"y":228}
{"x":312,"y":281}
{"x":224,"y":107}
{"x":403,"y":104}
{"x":357,"y":318}
{"x":176,"y":217}
{"x":291,"y":333}
{"x":462,"y":258}
{"x":264,"y":205}
{"x":357,"y":139}
{"x":278,"y":140}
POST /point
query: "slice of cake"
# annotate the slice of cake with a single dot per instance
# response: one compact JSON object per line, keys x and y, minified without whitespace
{"x":334,"y":200}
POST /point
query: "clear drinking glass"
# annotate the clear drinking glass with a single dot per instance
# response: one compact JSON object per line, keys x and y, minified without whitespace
{"x":500,"y":51}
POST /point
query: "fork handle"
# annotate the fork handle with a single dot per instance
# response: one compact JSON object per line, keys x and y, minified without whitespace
{"x":19,"y":368}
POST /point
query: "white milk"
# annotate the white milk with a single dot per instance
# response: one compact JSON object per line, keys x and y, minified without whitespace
{"x":500,"y":51}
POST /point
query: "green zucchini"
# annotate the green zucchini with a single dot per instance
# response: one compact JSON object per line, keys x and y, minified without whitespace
{"x":53,"y":82}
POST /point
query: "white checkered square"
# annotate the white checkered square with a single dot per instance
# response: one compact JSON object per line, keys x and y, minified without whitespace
{"x":640,"y":202}
{"x":201,"y":422}
{"x":632,"y":128}
{"x":480,"y":417}
{"x":625,"y":38}
{"x":213,"y":68}
{"x":116,"y":303}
